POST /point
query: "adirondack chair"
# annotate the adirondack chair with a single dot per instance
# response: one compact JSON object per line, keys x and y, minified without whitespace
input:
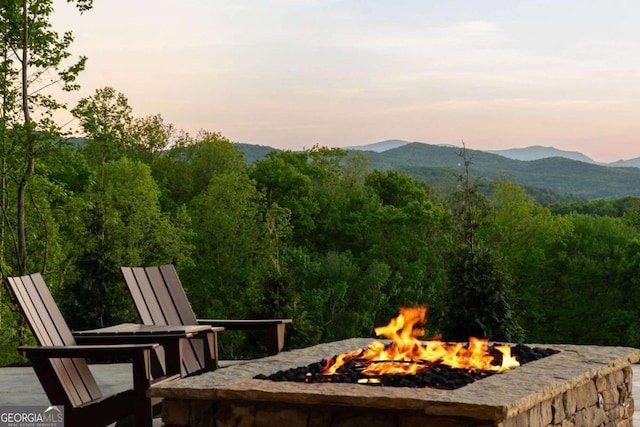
{"x":160,"y":299}
{"x":63,"y":372}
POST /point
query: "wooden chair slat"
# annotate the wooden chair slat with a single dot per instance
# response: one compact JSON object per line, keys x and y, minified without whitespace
{"x":47,"y":309}
{"x":163,"y":301}
{"x":149,"y":297}
{"x":178,"y":295}
{"x":138,"y":298}
{"x":29,"y":311}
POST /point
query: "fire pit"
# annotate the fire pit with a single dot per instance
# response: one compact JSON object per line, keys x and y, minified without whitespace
{"x":431,"y":374}
{"x":578,"y":386}
{"x":407,"y":362}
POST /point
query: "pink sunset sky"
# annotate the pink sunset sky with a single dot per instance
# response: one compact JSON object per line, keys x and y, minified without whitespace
{"x":293,"y":73}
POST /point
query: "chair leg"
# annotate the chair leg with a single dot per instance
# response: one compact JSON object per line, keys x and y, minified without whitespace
{"x":143,"y":412}
{"x":211,"y":351}
{"x":275,"y":339}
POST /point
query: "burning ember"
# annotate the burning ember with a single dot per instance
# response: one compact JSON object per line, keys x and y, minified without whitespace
{"x":407,"y":361}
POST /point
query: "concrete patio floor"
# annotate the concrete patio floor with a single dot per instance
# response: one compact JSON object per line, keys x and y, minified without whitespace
{"x":19,"y":386}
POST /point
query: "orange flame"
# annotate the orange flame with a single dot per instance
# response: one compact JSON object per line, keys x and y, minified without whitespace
{"x":406,"y":355}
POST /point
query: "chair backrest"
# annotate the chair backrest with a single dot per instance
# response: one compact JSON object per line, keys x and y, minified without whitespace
{"x":160,"y":299}
{"x":72,"y":379}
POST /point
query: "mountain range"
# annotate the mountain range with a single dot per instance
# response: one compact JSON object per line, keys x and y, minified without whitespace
{"x":546,"y":172}
{"x":535,"y":152}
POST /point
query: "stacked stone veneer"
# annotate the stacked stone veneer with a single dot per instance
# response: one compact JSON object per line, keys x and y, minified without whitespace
{"x":580,"y":386}
{"x":606,"y":400}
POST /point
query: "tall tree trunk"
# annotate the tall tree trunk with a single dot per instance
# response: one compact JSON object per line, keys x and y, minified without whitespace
{"x":29,"y":144}
{"x":3,"y":167}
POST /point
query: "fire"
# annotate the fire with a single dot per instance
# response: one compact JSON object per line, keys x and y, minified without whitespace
{"x":406,"y":355}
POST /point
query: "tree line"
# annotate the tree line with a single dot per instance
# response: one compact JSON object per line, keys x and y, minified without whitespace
{"x":316,"y":236}
{"x":313,"y":235}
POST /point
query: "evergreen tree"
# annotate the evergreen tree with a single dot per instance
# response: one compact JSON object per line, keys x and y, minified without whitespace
{"x":480,"y":301}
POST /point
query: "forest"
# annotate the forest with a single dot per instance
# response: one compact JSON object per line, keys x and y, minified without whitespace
{"x":318,"y":236}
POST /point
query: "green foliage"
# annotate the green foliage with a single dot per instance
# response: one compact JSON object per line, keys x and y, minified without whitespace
{"x":479,"y":302}
{"x":603,"y":207}
{"x":410,"y":239}
{"x":118,"y":225}
{"x":531,"y":244}
{"x":9,"y":334}
{"x":343,"y":299}
{"x":229,"y":247}
{"x":396,"y":189}
{"x":184,"y":171}
{"x":316,"y":237}
{"x":286,"y":178}
{"x":105,"y":118}
{"x":588,"y":278}
{"x":150,"y":137}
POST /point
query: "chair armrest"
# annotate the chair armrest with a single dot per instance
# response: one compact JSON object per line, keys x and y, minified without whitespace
{"x":245,"y":324}
{"x":274,"y":328}
{"x":139,"y":353}
{"x":98,"y":351}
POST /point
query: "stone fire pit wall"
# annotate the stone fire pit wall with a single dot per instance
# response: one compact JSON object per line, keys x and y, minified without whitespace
{"x":580,"y":386}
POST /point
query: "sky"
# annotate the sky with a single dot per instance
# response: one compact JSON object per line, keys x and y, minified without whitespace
{"x":291,"y":74}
